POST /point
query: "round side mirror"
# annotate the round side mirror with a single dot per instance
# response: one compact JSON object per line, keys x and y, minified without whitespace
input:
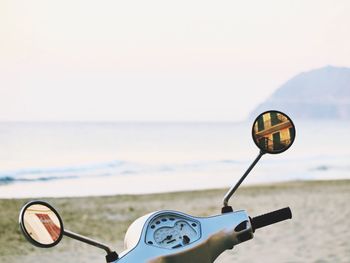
{"x":41,"y":224}
{"x":273,"y":132}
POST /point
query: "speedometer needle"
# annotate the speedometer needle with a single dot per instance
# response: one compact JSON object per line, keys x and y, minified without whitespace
{"x":167,"y":238}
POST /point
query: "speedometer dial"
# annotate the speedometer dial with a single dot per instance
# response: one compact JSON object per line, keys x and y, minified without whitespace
{"x":172,"y":230}
{"x":167,"y":237}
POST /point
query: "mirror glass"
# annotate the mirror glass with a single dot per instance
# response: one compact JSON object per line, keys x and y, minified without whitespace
{"x":273,"y":132}
{"x":41,"y":224}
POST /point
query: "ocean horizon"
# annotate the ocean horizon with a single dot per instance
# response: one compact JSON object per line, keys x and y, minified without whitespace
{"x":106,"y":158}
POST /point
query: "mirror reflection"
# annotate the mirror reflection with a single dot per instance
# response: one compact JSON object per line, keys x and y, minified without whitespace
{"x":273,"y":132}
{"x":42,"y":224}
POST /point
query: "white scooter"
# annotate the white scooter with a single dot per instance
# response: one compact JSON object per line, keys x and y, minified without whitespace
{"x":171,"y":236}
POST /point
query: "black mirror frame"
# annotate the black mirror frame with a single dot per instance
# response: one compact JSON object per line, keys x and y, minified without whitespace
{"x":26,"y":234}
{"x":292,"y":139}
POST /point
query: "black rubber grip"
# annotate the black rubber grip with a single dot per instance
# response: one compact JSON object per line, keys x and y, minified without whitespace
{"x":271,"y":218}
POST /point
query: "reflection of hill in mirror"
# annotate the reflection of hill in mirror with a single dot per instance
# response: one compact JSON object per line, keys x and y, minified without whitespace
{"x":318,"y":94}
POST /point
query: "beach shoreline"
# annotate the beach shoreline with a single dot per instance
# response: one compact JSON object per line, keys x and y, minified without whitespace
{"x":318,"y":232}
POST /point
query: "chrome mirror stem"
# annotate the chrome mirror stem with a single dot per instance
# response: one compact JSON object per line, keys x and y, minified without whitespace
{"x":234,"y":188}
{"x":111,"y":255}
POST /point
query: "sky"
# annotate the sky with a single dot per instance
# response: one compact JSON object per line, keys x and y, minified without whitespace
{"x":160,"y":60}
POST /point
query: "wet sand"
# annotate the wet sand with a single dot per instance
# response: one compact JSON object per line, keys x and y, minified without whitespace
{"x":319,"y":231}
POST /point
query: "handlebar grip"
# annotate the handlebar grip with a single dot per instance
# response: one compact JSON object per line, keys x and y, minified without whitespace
{"x":271,"y":218}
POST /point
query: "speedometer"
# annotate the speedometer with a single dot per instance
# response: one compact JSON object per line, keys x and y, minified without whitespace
{"x":172,"y":230}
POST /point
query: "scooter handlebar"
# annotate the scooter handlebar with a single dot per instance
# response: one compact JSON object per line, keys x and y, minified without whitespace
{"x":271,"y":218}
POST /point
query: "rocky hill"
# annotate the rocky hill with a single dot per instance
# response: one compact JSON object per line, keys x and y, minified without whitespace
{"x":317,"y":94}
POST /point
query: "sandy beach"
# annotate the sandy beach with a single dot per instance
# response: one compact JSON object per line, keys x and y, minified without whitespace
{"x":319,"y":231}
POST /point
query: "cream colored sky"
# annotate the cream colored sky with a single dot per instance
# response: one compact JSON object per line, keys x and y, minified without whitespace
{"x":160,"y":60}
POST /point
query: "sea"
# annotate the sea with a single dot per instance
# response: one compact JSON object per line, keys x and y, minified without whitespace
{"x":62,"y":159}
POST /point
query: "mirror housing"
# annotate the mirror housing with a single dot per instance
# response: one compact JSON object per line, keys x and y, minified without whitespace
{"x":273,"y":132}
{"x":41,"y":224}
